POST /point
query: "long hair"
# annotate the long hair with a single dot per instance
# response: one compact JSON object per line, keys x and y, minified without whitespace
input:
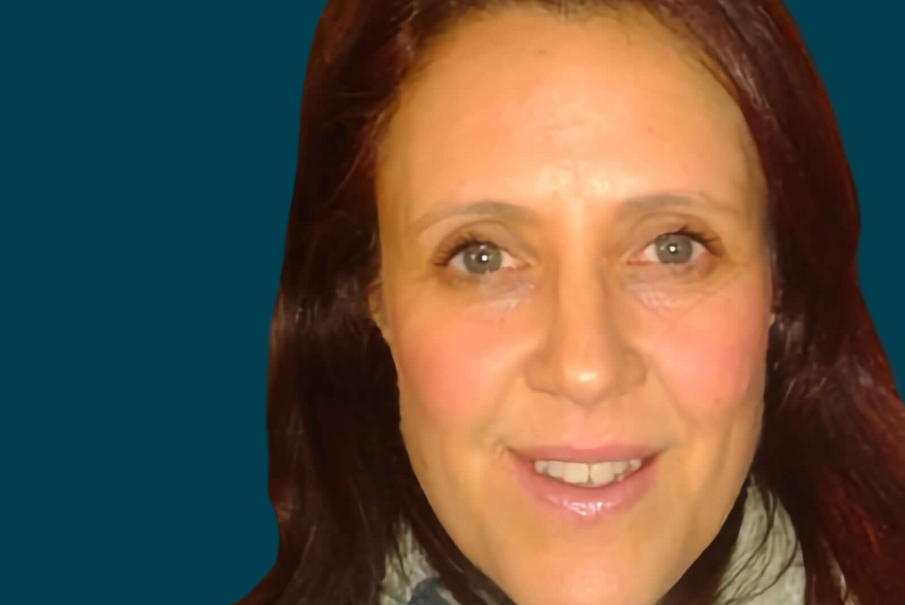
{"x":832,"y":450}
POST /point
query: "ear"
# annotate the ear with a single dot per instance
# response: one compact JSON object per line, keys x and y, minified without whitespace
{"x":377,"y":309}
{"x":777,"y":287}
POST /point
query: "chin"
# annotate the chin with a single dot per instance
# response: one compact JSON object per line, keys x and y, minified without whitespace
{"x":588,"y":591}
{"x":562,"y":580}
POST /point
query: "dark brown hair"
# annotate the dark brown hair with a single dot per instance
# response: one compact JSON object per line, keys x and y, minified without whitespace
{"x":833,"y":445}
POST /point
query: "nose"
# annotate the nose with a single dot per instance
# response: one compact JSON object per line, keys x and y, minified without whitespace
{"x":585,"y":354}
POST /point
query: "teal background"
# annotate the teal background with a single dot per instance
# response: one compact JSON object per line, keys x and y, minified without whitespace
{"x":147,"y":155}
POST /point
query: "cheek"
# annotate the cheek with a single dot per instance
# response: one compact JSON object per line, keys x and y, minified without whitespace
{"x":712,"y":358}
{"x":450,"y":363}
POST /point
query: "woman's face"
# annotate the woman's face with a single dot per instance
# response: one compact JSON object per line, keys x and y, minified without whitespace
{"x":610,"y":303}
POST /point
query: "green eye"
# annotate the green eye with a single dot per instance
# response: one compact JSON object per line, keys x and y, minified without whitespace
{"x":673,"y":248}
{"x":478,"y":258}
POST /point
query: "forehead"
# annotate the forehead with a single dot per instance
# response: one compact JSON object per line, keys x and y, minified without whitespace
{"x":526,"y":107}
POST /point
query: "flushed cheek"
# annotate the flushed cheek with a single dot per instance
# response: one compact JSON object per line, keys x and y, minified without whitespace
{"x":452,"y":362}
{"x":712,"y":357}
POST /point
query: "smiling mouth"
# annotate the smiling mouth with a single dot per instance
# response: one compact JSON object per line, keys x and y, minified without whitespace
{"x":588,"y":475}
{"x":587,"y":485}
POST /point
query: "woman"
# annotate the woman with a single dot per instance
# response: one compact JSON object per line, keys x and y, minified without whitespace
{"x":569,"y":314}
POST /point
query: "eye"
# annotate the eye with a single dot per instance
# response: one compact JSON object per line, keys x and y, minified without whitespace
{"x":674,"y":248}
{"x":476,"y":257}
{"x":473,"y":255}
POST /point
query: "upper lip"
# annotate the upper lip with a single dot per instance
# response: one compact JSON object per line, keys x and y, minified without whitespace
{"x":604,"y":453}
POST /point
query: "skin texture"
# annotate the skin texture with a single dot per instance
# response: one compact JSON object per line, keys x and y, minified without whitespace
{"x":592,"y":131}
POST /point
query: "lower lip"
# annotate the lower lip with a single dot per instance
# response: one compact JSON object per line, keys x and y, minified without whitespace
{"x":588,"y":504}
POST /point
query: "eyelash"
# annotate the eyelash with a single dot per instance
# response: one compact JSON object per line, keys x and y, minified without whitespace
{"x":447,"y":252}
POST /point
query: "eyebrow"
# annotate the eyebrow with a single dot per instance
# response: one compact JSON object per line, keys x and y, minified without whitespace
{"x":631,"y":206}
{"x":445,"y":210}
{"x":657,"y":201}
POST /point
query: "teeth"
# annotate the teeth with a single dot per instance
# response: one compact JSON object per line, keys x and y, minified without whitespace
{"x":575,"y":472}
{"x":590,"y":475}
{"x":605,"y":473}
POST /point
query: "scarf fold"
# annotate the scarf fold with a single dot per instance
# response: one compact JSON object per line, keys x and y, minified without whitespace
{"x":412,"y":581}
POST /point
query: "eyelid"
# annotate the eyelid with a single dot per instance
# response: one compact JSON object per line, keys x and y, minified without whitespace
{"x":462,"y":248}
{"x":481,"y":234}
{"x":697,"y":247}
{"x":708,"y":242}
{"x":448,"y":252}
{"x":449,"y":248}
{"x":453,"y":246}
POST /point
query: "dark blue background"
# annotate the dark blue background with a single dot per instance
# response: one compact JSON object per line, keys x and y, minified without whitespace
{"x":148,"y":154}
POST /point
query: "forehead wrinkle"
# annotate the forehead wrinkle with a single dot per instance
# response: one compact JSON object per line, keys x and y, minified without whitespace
{"x":653,"y":202}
